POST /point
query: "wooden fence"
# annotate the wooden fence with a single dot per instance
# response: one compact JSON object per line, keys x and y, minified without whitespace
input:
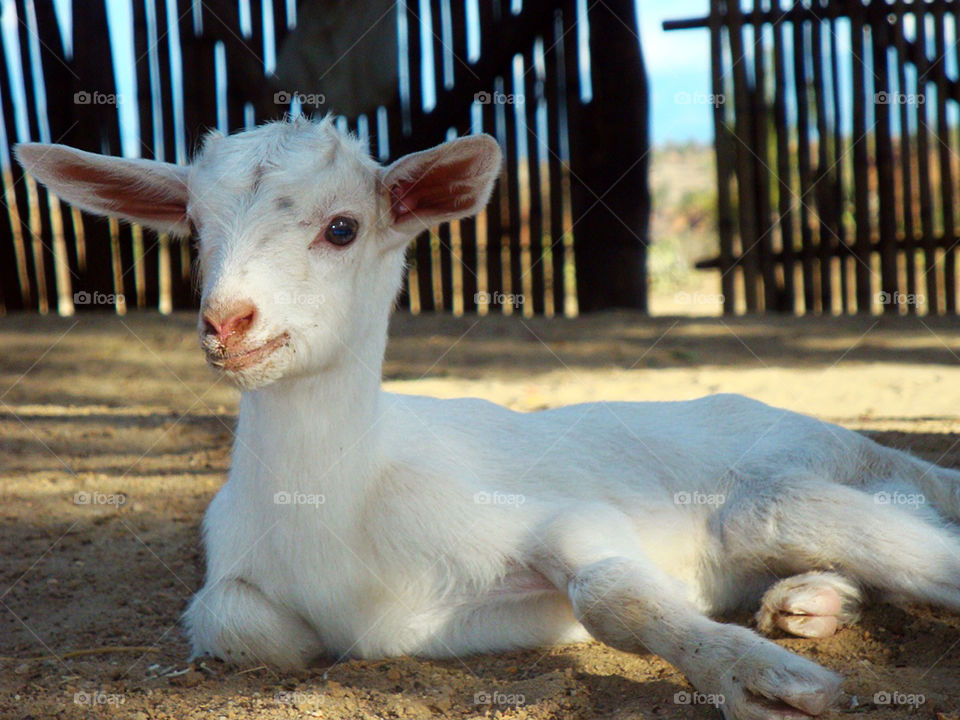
{"x":837,"y":154}
{"x":523,"y":254}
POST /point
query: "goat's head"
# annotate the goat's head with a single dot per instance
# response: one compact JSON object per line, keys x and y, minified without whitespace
{"x":301,"y":235}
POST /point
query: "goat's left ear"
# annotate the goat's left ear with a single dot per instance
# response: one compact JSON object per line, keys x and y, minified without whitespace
{"x":448,"y":182}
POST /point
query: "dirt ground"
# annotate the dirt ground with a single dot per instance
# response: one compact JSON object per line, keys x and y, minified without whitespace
{"x":114,"y":436}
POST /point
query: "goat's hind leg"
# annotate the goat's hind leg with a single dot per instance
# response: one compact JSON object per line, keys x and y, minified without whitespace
{"x":793,"y":527}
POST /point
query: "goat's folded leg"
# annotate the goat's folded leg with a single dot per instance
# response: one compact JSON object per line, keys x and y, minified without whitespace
{"x":628,"y":603}
{"x":233,"y":620}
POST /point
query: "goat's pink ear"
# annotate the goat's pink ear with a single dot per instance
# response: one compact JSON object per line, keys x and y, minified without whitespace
{"x":448,"y":182}
{"x":148,"y":192}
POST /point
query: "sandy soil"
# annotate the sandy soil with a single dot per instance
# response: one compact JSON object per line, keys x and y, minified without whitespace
{"x":101,"y":408}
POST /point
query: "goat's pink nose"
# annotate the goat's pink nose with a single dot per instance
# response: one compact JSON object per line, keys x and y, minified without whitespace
{"x":231,"y":322}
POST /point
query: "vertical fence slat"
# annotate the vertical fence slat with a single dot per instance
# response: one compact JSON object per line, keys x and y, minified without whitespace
{"x":555,"y":92}
{"x":541,"y":256}
{"x":884,"y":148}
{"x":906,"y":163}
{"x":785,"y":198}
{"x":838,"y":163}
{"x":725,"y":222}
{"x":495,"y":216}
{"x":439,"y":11}
{"x":466,"y":229}
{"x":15,"y":273}
{"x":825,"y":195}
{"x":808,"y":249}
{"x":924,"y":179}
{"x":145,"y":270}
{"x":40,"y":252}
{"x":511,"y":239}
{"x":947,"y":201}
{"x":861,"y":166}
{"x":533,"y":278}
{"x":772,"y":297}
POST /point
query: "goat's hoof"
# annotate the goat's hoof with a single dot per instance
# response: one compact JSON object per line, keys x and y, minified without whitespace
{"x":793,"y":690}
{"x":814,"y":605}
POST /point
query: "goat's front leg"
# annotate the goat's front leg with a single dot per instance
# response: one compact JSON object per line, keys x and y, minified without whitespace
{"x":233,"y":620}
{"x":628,"y":603}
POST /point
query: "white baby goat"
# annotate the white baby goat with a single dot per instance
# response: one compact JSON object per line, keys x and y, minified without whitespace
{"x":356,"y":522}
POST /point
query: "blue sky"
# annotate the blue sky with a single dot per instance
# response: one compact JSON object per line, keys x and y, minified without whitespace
{"x":676,"y":61}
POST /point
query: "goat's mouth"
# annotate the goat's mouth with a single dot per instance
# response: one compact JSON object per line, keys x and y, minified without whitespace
{"x":247,"y":358}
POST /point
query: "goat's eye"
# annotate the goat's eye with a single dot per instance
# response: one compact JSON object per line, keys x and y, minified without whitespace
{"x":341,"y":231}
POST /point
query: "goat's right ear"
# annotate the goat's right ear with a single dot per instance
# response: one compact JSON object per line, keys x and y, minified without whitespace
{"x":148,"y":192}
{"x":447,"y":182}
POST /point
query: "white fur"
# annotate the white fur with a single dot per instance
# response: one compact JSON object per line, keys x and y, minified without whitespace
{"x":457,"y":526}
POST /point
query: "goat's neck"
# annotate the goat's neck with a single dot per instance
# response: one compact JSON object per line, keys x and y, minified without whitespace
{"x":315,"y":432}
